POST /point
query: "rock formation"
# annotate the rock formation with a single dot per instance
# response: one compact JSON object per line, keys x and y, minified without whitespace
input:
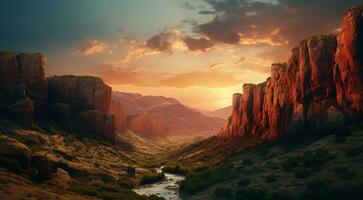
{"x":117,"y":109}
{"x":319,"y":89}
{"x":23,"y":85}
{"x":85,"y":100}
{"x":80,"y":101}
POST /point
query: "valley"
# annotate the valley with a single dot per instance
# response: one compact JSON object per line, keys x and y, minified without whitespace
{"x":296,"y":136}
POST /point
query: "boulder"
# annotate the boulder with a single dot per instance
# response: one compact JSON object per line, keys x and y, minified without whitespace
{"x":22,"y":111}
{"x":45,"y":165}
{"x":61,"y":179}
{"x":14,"y":149}
{"x":29,"y":137}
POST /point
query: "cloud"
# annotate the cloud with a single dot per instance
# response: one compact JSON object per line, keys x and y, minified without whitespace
{"x":272,"y":23}
{"x":199,"y":78}
{"x":90,"y":47}
{"x":165,"y":41}
{"x":198,"y":44}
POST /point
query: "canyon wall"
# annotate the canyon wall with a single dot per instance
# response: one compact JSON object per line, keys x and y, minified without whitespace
{"x":320,"y":88}
{"x":83,"y":102}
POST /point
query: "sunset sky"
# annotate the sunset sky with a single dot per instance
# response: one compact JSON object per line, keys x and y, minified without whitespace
{"x":198,"y":51}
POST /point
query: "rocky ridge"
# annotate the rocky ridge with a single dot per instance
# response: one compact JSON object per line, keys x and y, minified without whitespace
{"x":319,"y":89}
{"x":80,"y":101}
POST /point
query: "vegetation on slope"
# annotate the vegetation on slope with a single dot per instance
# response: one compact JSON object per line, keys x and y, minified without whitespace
{"x":325,"y":168}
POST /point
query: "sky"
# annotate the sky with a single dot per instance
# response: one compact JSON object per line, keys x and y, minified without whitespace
{"x":197,"y":51}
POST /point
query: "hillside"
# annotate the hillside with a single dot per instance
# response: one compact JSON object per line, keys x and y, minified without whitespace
{"x":157,"y":116}
{"x":325,"y":168}
{"x":223,"y":113}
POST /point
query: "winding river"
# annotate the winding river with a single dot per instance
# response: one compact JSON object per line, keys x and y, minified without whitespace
{"x":167,"y":188}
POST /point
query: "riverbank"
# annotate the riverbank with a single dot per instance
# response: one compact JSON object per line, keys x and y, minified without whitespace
{"x":167,"y":188}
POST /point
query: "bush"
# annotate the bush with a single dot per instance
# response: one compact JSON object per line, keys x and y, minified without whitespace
{"x":340,"y":139}
{"x":223,"y":192}
{"x":106,"y":191}
{"x":9,"y":164}
{"x":126,"y":182}
{"x":317,"y":158}
{"x":290,"y":163}
{"x":270,"y":178}
{"x":344,"y":173}
{"x":247,"y":162}
{"x":244,"y":182}
{"x":202,"y":180}
{"x":353,"y":151}
{"x":334,"y":192}
{"x":302,"y":173}
{"x":250,"y":194}
{"x":152,"y":178}
{"x":176,"y":169}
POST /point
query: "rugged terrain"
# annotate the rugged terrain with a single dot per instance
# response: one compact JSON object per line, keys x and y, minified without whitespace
{"x":158,"y":116}
{"x":296,"y":136}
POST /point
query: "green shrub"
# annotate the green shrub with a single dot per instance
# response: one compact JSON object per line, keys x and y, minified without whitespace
{"x":247,"y":162}
{"x":244,"y":182}
{"x":353,"y":151}
{"x":271,"y":165}
{"x":334,"y":192}
{"x":317,"y":158}
{"x":106,"y":191}
{"x":176,"y":169}
{"x":344,"y":173}
{"x":302,"y":173}
{"x":202,"y":180}
{"x":290,"y":163}
{"x":126,"y":182}
{"x":270,"y":178}
{"x":250,"y":194}
{"x":340,"y":139}
{"x":223,"y":192}
{"x":152,"y":178}
{"x":10,"y":164}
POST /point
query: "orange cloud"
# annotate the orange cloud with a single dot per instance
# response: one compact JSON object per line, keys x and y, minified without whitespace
{"x":90,"y":47}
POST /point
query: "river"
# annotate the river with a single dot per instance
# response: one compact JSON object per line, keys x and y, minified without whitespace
{"x":167,"y":188}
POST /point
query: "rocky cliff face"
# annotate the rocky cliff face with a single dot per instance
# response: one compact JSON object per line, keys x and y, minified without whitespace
{"x":319,"y":89}
{"x":23,"y":85}
{"x":85,"y":100}
{"x":117,"y":109}
{"x":82,"y":101}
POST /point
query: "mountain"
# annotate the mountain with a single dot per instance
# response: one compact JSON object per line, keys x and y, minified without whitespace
{"x":319,"y":89}
{"x":154,"y":116}
{"x":223,"y":113}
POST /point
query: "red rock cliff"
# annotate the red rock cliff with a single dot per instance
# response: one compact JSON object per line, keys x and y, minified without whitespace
{"x":319,"y":89}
